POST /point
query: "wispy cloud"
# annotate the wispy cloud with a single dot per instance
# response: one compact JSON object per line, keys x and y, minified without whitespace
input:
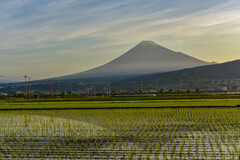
{"x":46,"y":31}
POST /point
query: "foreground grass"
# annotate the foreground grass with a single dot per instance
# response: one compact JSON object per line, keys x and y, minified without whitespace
{"x":120,"y":104}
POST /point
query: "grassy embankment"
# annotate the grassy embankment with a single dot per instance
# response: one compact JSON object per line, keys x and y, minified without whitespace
{"x":124,"y":102}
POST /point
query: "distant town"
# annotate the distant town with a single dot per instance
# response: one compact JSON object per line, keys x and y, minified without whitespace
{"x":144,"y":88}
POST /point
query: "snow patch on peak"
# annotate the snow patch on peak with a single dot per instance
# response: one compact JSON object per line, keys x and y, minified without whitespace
{"x":147,"y":42}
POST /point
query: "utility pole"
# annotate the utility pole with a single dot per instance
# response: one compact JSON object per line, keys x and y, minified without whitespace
{"x":104,"y":88}
{"x":29,"y":87}
{"x":25,"y":85}
{"x":65,"y":89}
{"x":71,"y":89}
{"x":146,"y":86}
{"x":87,"y":90}
{"x":52,"y":90}
{"x":109,"y":89}
{"x":91,"y":90}
{"x":94,"y":90}
{"x":7,"y":92}
{"x":82,"y":89}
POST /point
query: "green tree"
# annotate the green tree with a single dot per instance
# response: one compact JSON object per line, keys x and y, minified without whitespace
{"x":197,"y":90}
{"x":141,"y":91}
{"x":170,"y":90}
{"x":114,"y":92}
{"x":19,"y":95}
{"x":123,"y":93}
{"x":188,"y":91}
{"x":178,"y":91}
{"x":161,"y":90}
{"x":63,"y":94}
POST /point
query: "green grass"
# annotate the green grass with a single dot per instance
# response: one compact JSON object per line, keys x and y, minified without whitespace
{"x":164,"y":100}
{"x":127,"y":98}
{"x":120,"y":104}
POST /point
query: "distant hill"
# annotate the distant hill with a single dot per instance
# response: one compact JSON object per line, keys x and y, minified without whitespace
{"x":215,"y":77}
{"x":223,"y":74}
{"x":4,"y":80}
{"x":145,"y":58}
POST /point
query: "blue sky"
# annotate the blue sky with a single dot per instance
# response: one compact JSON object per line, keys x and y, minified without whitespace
{"x":47,"y":38}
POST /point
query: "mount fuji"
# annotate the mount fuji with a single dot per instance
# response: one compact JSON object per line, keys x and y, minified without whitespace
{"x":145,"y":58}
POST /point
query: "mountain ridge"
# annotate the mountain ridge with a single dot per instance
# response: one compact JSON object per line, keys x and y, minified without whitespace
{"x":223,"y":74}
{"x":147,"y":57}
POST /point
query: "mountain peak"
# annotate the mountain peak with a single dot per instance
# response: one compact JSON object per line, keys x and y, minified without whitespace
{"x":146,"y":58}
{"x":147,"y":42}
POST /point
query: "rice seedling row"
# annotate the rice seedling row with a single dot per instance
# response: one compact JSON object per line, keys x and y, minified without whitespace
{"x":168,"y":133}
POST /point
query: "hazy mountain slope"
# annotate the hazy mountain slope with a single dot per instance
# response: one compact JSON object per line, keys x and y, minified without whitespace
{"x":145,"y":58}
{"x":228,"y":72}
